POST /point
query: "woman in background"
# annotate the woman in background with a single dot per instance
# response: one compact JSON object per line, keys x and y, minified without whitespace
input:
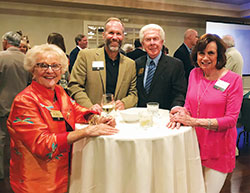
{"x":212,"y":106}
{"x":57,"y":39}
{"x":42,"y":125}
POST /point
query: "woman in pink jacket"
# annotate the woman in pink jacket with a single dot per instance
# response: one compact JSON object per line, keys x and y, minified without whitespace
{"x":212,"y":106}
{"x":42,"y":125}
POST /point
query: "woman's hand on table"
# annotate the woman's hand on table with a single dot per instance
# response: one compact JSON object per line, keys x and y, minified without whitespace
{"x":109,"y":120}
{"x":181,"y":117}
{"x":100,"y":129}
{"x":173,"y":124}
{"x":178,"y":115}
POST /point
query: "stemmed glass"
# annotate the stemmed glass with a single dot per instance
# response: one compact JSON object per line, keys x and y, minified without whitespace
{"x":107,"y":103}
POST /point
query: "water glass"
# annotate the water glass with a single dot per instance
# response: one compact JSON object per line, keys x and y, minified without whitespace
{"x":145,"y":119}
{"x":153,"y":108}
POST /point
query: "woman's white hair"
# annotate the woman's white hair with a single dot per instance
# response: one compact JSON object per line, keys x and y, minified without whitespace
{"x":35,"y":52}
{"x":151,"y":27}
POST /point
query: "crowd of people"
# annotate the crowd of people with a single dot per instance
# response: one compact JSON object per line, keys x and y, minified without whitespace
{"x":44,"y":92}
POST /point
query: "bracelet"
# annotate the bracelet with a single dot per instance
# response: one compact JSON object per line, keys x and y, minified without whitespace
{"x":209,"y":124}
{"x":93,"y":119}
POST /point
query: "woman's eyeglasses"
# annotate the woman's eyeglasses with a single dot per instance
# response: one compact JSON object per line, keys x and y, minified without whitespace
{"x":45,"y":67}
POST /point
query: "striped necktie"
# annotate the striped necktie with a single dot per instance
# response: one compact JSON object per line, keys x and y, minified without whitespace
{"x":150,"y":75}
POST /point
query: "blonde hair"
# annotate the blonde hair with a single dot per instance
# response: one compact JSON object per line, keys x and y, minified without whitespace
{"x":35,"y":52}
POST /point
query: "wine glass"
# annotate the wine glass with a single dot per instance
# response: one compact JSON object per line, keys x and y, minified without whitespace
{"x":108,"y":103}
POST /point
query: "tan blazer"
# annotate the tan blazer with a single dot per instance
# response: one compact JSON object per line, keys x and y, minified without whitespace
{"x":87,"y":86}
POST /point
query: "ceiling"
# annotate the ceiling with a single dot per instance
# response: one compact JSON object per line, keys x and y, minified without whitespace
{"x":233,"y":2}
{"x":205,"y":8}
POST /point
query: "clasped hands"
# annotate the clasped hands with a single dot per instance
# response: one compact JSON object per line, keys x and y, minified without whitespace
{"x":178,"y":116}
{"x":101,"y":125}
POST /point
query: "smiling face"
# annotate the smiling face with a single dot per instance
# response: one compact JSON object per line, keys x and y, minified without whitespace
{"x":152,"y":42}
{"x":113,"y":36}
{"x":47,"y":77}
{"x":207,"y":59}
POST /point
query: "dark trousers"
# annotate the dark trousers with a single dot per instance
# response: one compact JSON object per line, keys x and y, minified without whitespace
{"x":4,"y":148}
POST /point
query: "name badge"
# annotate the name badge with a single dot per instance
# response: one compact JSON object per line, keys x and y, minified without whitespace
{"x":221,"y":85}
{"x":97,"y":65}
{"x":56,"y":115}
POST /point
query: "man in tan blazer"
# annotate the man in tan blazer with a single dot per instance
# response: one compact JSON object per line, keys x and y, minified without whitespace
{"x":104,"y":70}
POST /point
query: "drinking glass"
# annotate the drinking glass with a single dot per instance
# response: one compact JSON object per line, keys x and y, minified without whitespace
{"x":145,"y":119}
{"x":107,"y":103}
{"x":153,"y":108}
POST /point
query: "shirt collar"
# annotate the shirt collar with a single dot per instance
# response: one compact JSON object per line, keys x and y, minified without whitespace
{"x":108,"y":58}
{"x":189,"y":50}
{"x":156,"y":59}
{"x":79,"y":47}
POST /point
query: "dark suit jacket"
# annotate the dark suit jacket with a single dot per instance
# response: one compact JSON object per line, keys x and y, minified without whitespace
{"x":137,"y":53}
{"x":183,"y":54}
{"x":72,"y":57}
{"x":168,"y":86}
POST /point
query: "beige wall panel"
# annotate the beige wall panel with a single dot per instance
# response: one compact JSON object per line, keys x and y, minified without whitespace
{"x":175,"y":36}
{"x":38,"y":28}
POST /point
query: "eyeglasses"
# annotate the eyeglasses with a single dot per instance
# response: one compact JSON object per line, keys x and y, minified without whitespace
{"x":45,"y":67}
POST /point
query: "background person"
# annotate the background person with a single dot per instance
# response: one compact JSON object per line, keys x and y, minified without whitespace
{"x":115,"y":73}
{"x":128,"y":48}
{"x":234,"y":58}
{"x":13,"y":79}
{"x":160,"y":78}
{"x":81,"y":43}
{"x":23,"y":46}
{"x":42,"y":125}
{"x":138,"y":51}
{"x":212,"y":106}
{"x":185,"y":49}
{"x":58,"y":40}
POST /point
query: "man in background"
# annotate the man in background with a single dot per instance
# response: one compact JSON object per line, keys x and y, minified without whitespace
{"x":234,"y":58}
{"x":13,"y":79}
{"x":137,"y":52}
{"x":81,"y":43}
{"x":184,"y":51}
{"x":104,"y":70}
{"x":160,"y":78}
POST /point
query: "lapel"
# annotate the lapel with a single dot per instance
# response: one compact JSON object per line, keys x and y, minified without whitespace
{"x":121,"y":74}
{"x":141,"y":73}
{"x":100,"y":56}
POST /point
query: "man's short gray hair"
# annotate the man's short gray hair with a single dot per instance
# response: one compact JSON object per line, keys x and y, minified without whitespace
{"x":13,"y":38}
{"x":153,"y":27}
{"x":229,"y":40}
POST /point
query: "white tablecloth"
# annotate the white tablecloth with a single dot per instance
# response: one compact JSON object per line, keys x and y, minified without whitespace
{"x":136,"y":160}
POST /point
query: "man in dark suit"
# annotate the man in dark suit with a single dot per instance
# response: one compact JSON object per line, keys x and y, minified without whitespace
{"x":184,"y":51}
{"x":81,"y":43}
{"x":138,"y":52}
{"x":168,"y":83}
